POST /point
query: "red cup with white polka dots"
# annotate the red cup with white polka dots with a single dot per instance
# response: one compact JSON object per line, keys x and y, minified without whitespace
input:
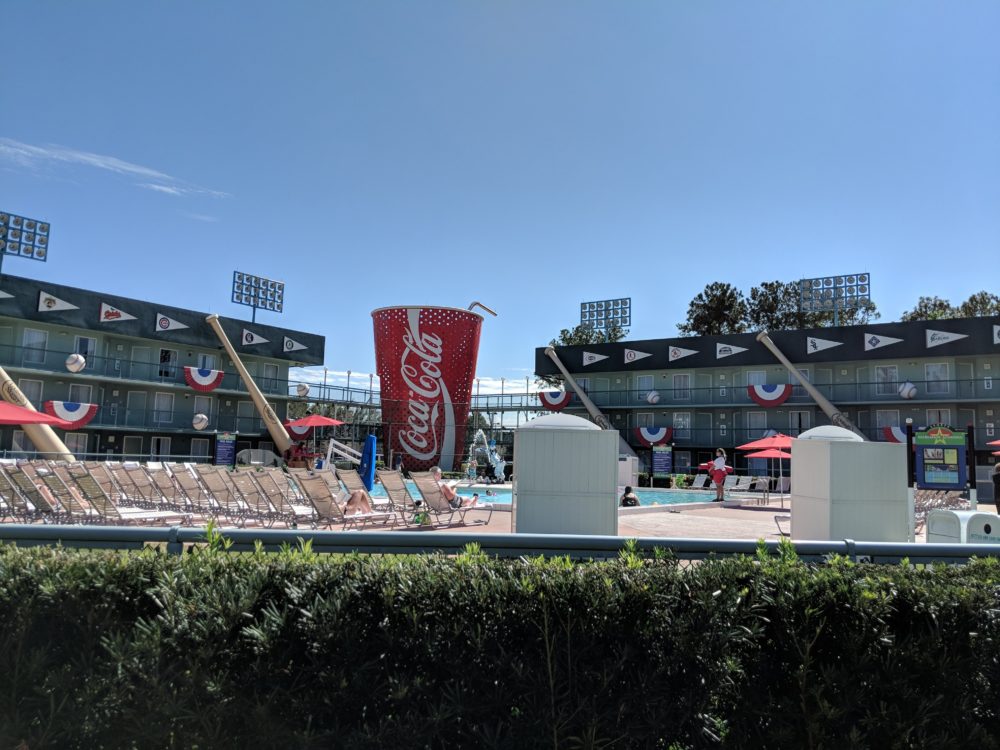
{"x":426,"y":362}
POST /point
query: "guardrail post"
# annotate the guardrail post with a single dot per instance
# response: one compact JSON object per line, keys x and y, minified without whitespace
{"x":850,"y":550}
{"x":174,"y":546}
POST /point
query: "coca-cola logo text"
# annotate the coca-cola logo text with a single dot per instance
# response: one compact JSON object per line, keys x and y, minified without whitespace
{"x":423,"y":377}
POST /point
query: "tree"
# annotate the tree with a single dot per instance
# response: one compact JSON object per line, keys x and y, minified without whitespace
{"x":774,"y":306}
{"x":582,"y":335}
{"x":931,"y":308}
{"x":980,"y":305}
{"x":719,"y":309}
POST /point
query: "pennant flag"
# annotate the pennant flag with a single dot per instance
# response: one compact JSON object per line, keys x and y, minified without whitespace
{"x":298,"y":432}
{"x":291,"y":345}
{"x":250,"y":338}
{"x":49,"y":303}
{"x":590,"y":358}
{"x":76,"y":414}
{"x":996,"y":334}
{"x":555,"y":400}
{"x":894,"y":434}
{"x":203,"y":380}
{"x":727,"y":350}
{"x":937,"y":338}
{"x":111,"y":314}
{"x":814,"y":345}
{"x":877,"y":342}
{"x":163,"y":323}
{"x":769,"y":395}
{"x":631,"y":355}
{"x":677,"y":352}
{"x":5,"y":295}
{"x":650,"y":436}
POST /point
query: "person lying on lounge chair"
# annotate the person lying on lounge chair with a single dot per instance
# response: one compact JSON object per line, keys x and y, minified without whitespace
{"x":448,"y":491}
{"x":357,"y":504}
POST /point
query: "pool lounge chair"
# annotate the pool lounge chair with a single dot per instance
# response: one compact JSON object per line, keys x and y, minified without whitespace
{"x":400,"y":499}
{"x":351,"y":479}
{"x":328,"y":510}
{"x":700,"y":482}
{"x":434,"y":501}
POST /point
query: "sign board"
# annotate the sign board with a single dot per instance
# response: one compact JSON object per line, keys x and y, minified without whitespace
{"x":663,"y":460}
{"x":225,"y":449}
{"x":940,"y":453}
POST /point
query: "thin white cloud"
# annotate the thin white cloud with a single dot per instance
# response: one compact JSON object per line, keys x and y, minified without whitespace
{"x":202,"y":217}
{"x":27,"y":156}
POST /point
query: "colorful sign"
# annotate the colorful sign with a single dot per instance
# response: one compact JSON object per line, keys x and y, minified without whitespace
{"x":940,"y":453}
{"x":663,"y":460}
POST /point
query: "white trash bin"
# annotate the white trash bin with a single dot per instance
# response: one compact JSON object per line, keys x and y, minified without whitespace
{"x":963,"y":527}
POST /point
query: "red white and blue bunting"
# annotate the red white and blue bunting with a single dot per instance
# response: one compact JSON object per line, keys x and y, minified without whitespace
{"x":298,"y":433}
{"x":894,"y":434}
{"x":650,"y":436}
{"x":555,"y":400}
{"x":769,"y":395}
{"x":203,"y":380}
{"x":70,"y":411}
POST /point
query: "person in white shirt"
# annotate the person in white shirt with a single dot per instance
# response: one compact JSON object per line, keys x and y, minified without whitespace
{"x":718,"y":473}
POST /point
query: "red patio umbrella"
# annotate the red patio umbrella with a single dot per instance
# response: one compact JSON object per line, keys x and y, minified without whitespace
{"x":314,"y":420}
{"x":769,"y":453}
{"x":13,"y":414}
{"x":780,"y":441}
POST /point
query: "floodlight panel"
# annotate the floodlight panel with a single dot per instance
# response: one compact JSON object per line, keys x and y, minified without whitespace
{"x":258,"y":291}
{"x":24,"y":237}
{"x":603,"y":313}
{"x":834,"y":292}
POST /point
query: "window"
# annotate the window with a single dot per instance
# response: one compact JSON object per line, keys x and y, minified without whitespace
{"x":584,"y":384}
{"x":132,"y":446}
{"x":886,"y":418}
{"x":168,"y":363}
{"x":936,"y":376}
{"x":644,"y":419}
{"x":163,"y":408}
{"x":32,"y":390}
{"x":206,"y":361}
{"x":20,"y":443}
{"x":939,"y":416}
{"x":643,"y":385}
{"x":80,"y":393}
{"x":35,"y":343}
{"x":86,"y":346}
{"x":199,"y":447}
{"x":77,"y":443}
{"x":682,"y":460}
{"x":756,"y":377}
{"x":886,"y":380}
{"x":266,"y":445}
{"x":756,"y":424}
{"x":799,"y":421}
{"x":246,"y":416}
{"x":682,"y":387}
{"x":682,"y":425}
{"x":798,"y":390}
{"x":269,"y":378}
{"x":203,"y":405}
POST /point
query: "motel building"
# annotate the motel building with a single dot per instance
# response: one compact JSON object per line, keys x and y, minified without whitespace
{"x":703,"y":393}
{"x":150,"y":368}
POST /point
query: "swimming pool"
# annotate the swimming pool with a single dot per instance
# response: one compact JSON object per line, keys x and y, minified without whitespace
{"x":646,"y":496}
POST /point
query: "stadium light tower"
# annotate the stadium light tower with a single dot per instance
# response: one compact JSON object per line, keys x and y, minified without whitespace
{"x":23,"y":238}
{"x":607,"y":312}
{"x":257,"y":291}
{"x":834,"y":293}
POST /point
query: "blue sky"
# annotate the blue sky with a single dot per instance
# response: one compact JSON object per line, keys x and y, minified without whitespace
{"x":531,"y":155}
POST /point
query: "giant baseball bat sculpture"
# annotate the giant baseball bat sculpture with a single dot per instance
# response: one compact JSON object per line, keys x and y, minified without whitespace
{"x":599,"y":419}
{"x":43,"y":436}
{"x":835,"y":415}
{"x":279,"y":435}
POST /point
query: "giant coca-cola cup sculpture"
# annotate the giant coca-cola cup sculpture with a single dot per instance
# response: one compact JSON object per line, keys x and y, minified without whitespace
{"x":426,"y":361}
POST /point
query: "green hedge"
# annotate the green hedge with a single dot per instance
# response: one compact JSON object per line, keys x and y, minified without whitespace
{"x":214,"y":650}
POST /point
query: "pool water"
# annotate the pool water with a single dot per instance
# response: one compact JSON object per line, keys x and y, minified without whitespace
{"x":646,"y":496}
